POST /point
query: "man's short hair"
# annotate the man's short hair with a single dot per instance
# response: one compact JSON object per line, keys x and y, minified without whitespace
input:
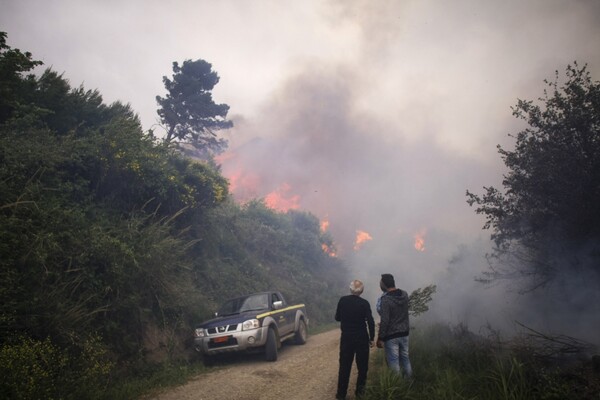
{"x":388,"y":280}
{"x":356,"y":287}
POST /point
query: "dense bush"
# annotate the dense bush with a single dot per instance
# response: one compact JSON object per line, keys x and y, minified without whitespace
{"x":251,"y":248}
{"x":34,"y":369}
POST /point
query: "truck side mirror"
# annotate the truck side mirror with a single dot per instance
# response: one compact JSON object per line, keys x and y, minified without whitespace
{"x":277,"y":305}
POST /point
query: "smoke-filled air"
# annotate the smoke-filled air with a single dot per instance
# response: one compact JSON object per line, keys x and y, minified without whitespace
{"x":382,"y":143}
{"x":389,"y":121}
{"x":374,"y":116}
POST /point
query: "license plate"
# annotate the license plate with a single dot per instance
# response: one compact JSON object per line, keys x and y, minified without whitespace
{"x":221,"y":339}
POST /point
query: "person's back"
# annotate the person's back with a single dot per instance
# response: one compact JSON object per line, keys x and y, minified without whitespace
{"x":354,"y":315}
{"x":394,"y":315}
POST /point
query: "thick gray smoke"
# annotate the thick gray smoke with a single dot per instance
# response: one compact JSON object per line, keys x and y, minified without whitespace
{"x":347,"y":167}
{"x":373,"y":115}
{"x":393,"y":167}
{"x":341,"y":165}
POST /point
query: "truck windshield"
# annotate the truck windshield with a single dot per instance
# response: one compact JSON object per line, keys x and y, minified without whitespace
{"x":243,"y":304}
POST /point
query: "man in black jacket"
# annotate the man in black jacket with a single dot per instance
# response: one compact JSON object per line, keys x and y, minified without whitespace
{"x":394,"y":328}
{"x":355,"y":316}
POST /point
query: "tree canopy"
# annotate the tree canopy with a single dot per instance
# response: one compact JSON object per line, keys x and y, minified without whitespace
{"x":189,"y":112}
{"x":546,"y":221}
{"x":14,"y":64}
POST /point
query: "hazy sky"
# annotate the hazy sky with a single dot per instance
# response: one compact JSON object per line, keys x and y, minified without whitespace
{"x":376,"y":115}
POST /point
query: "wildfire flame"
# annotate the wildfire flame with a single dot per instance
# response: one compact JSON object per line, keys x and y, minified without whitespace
{"x":243,"y":184}
{"x":361,"y":238}
{"x":420,"y":240}
{"x":324,"y":225}
{"x":329,"y":250}
{"x":282,"y":200}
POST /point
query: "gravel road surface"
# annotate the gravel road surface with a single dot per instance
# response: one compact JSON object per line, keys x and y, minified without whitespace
{"x":301,"y":373}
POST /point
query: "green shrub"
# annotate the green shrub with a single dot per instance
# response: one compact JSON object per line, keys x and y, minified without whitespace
{"x":38,"y":369}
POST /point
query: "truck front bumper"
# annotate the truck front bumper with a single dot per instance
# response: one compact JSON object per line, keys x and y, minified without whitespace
{"x":230,"y":342}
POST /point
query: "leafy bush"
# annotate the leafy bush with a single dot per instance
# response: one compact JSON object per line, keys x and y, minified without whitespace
{"x":39,"y":369}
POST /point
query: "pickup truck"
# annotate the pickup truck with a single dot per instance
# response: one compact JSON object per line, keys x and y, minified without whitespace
{"x":255,"y":322}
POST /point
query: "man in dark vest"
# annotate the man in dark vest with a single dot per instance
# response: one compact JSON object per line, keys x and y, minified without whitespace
{"x":355,"y":316}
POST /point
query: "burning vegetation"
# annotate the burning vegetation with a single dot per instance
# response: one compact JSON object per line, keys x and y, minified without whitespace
{"x":361,"y":238}
{"x":282,"y":199}
{"x":420,"y":240}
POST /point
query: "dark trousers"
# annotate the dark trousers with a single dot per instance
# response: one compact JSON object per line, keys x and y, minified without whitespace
{"x":350,"y":346}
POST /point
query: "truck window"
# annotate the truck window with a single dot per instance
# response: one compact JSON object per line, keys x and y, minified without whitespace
{"x":258,"y":302}
{"x":242,"y":304}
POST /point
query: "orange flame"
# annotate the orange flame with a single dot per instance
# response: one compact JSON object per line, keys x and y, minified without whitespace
{"x":243,"y":185}
{"x":282,"y":200}
{"x":324,"y":225}
{"x":329,"y":250}
{"x":420,"y":240}
{"x":361,"y":238}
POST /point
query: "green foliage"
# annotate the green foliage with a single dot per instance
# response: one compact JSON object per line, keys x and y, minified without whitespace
{"x":65,"y":110}
{"x":93,"y":221}
{"x":253,"y":248}
{"x":419,"y":298}
{"x":38,"y":369}
{"x":78,"y":235}
{"x":188,"y":111}
{"x":547,"y":218}
{"x":508,"y":378}
{"x":13,"y":82}
{"x":387,"y":385}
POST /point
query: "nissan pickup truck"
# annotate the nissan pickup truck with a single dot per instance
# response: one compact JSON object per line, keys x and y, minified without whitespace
{"x":255,"y":322}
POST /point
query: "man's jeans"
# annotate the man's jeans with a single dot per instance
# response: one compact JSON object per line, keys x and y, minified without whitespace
{"x":396,"y":353}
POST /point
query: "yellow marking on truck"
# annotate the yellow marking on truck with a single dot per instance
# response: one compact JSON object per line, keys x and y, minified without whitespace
{"x":278,"y":311}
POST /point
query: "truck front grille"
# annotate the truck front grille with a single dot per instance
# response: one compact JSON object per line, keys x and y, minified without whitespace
{"x":222,"y":329}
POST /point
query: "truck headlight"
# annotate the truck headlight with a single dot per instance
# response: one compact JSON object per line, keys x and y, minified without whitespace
{"x":250,"y":324}
{"x":199,"y":332}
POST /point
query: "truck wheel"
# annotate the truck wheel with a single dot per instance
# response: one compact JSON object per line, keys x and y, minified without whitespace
{"x":301,"y":333}
{"x":271,"y":346}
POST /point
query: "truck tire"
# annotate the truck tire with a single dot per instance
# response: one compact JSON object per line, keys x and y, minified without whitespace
{"x":301,"y":333}
{"x":271,"y":346}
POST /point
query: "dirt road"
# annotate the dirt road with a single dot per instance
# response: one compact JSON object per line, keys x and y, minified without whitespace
{"x":301,"y":373}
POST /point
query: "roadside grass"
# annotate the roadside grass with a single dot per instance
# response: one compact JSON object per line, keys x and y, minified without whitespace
{"x":150,"y":380}
{"x":455,"y":364}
